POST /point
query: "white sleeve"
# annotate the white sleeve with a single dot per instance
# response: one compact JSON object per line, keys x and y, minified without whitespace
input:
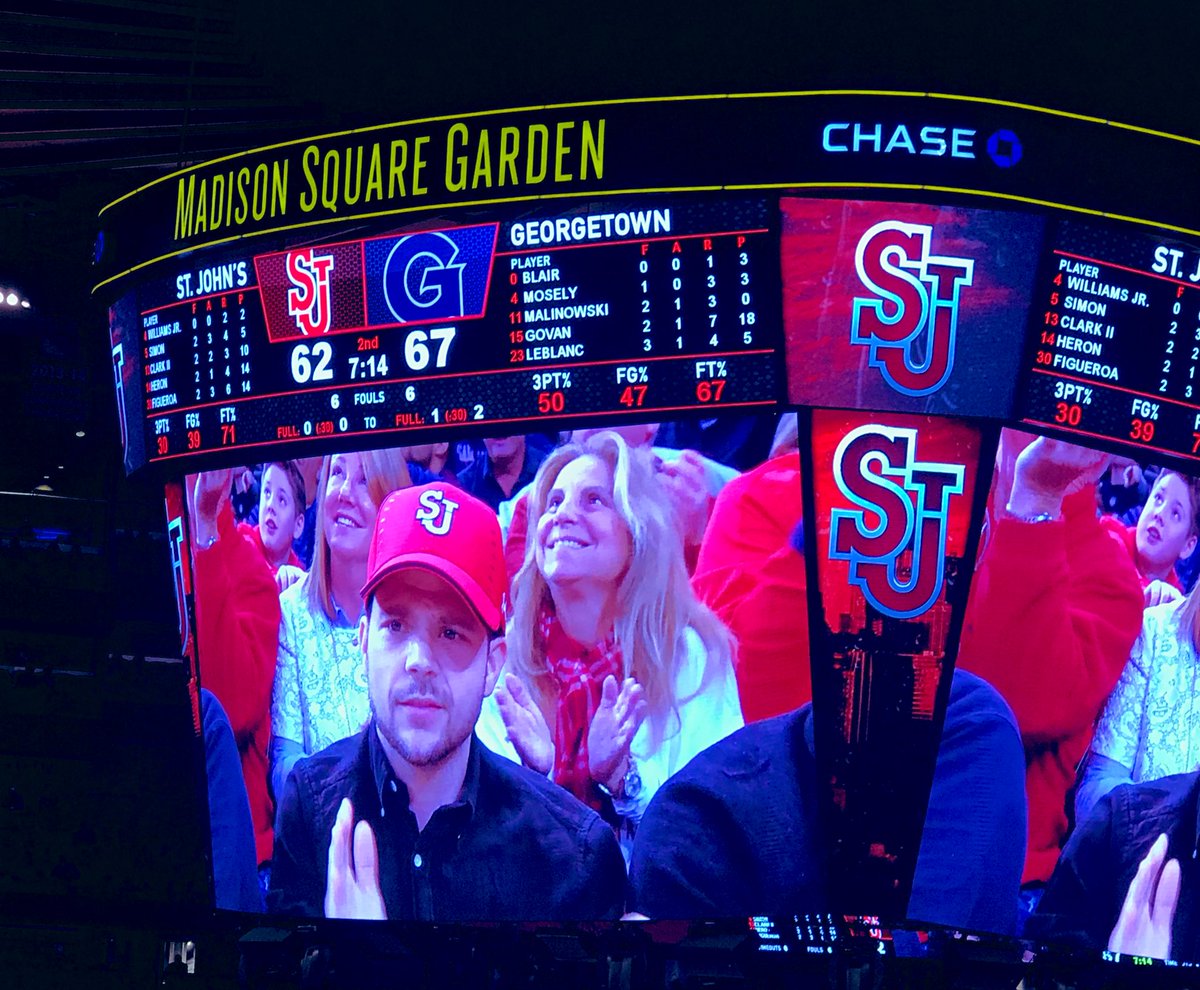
{"x":1121,"y":729}
{"x":704,"y":717}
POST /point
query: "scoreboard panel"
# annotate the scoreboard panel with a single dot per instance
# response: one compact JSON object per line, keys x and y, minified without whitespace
{"x":650,"y":310}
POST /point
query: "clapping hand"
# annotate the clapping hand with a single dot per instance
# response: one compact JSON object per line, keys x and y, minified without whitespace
{"x":352,"y":883}
{"x":612,"y":730}
{"x":523,"y":721}
{"x":1144,"y":925}
{"x":683,"y":479}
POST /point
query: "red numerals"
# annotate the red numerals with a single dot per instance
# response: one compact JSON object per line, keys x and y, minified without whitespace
{"x":193,"y":439}
{"x":1143,"y":430}
{"x":710,"y":391}
{"x":1070,"y":414}
{"x":551,"y":402}
{"x":633,"y":396}
{"x":163,"y":446}
{"x":228,"y":434}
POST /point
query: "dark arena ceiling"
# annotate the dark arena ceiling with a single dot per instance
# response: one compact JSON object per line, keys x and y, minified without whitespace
{"x":99,"y":96}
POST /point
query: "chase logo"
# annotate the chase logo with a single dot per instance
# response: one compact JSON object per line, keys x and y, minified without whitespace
{"x":1004,"y":148}
{"x":431,"y":275}
{"x":909,"y":320}
{"x":895,"y":540}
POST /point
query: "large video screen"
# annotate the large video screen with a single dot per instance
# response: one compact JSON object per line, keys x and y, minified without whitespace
{"x":804,"y":539}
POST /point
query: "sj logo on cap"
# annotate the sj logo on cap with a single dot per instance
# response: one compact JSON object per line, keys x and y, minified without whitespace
{"x":435,"y":511}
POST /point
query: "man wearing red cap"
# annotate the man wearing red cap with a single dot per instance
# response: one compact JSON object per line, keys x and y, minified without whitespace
{"x":413,"y":817}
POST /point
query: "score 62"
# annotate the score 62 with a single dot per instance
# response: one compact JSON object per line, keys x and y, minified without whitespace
{"x":314,"y":362}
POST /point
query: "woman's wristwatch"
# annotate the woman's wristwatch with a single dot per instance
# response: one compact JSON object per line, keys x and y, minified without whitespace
{"x":629,"y":786}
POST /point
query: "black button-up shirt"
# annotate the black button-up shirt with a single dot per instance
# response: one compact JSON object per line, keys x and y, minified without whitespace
{"x":1084,"y":897}
{"x":513,"y":847}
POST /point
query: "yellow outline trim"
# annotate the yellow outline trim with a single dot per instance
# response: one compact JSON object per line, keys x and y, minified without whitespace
{"x":650,"y":99}
{"x":635,"y":192}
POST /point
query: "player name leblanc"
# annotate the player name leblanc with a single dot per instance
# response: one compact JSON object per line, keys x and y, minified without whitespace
{"x":554,"y":352}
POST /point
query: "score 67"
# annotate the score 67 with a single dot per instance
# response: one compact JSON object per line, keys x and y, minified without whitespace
{"x":313,"y":362}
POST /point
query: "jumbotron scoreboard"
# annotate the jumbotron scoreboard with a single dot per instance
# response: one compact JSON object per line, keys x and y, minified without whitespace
{"x":494,"y":269}
{"x":907,"y":272}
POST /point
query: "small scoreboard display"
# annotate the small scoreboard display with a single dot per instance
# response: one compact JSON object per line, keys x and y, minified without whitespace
{"x":1116,"y":339}
{"x":650,"y":309}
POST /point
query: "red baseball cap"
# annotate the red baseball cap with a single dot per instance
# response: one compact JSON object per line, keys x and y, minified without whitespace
{"x":442,"y":529}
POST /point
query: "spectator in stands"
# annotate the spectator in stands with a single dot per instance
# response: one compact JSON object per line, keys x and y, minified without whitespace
{"x":607,"y":642}
{"x":738,"y":831}
{"x":413,"y":818}
{"x":1128,"y":877}
{"x":281,"y":505}
{"x":691,"y":481}
{"x":434,"y":458}
{"x":231,"y":828}
{"x":1150,"y":723}
{"x":510,"y":464}
{"x":1165,"y":535}
{"x":1055,"y":606}
{"x":750,"y":571}
{"x":237,"y":620}
{"x":320,"y":692}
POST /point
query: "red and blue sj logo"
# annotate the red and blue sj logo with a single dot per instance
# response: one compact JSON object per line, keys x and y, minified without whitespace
{"x":910,"y":320}
{"x":902,"y":508}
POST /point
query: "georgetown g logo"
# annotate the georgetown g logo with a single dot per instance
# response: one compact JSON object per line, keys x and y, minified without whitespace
{"x":435,"y":512}
{"x":903,"y":508}
{"x":910,"y":321}
{"x":422,"y":280}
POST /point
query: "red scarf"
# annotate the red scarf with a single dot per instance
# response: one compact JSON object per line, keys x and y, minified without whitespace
{"x":579,"y":673}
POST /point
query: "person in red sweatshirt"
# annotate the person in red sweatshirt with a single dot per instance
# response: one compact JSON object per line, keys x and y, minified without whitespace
{"x":750,"y":571}
{"x":237,"y":620}
{"x":1055,"y":606}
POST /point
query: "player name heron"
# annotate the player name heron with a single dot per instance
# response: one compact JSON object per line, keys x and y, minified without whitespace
{"x":1082,"y":345}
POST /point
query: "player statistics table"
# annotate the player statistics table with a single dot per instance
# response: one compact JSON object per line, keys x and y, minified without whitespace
{"x":1116,"y":339}
{"x":634,"y":308}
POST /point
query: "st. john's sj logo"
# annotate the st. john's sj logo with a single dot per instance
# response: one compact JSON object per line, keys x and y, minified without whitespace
{"x":895,"y":538}
{"x":309,"y":298}
{"x":909,"y":319}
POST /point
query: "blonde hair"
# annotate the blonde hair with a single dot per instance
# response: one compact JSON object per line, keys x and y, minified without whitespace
{"x":655,"y":601}
{"x":386,"y":471}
